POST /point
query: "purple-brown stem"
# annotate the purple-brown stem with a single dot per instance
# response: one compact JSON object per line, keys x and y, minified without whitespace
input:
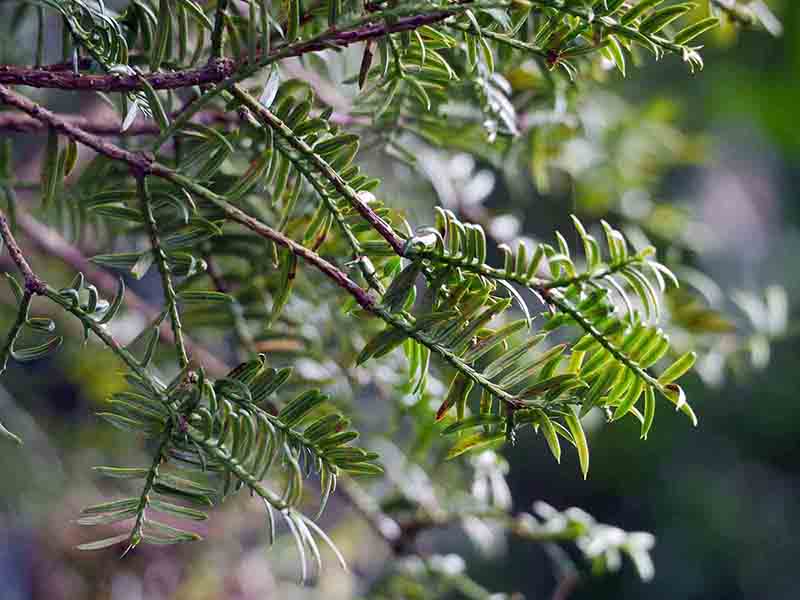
{"x":136,"y":160}
{"x":33,"y":284}
{"x":215,"y":71}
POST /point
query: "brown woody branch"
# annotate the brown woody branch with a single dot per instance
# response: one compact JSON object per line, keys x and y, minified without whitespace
{"x":136,"y":160}
{"x":217,"y":69}
{"x":67,"y":80}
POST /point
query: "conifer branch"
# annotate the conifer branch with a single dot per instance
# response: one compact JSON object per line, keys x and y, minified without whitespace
{"x":145,"y":164}
{"x":339,"y":277}
{"x":251,"y":481}
{"x":352,"y":197}
{"x":138,"y":161}
{"x":163,"y":268}
{"x":235,"y":214}
{"x":50,"y":241}
{"x":372,"y":26}
{"x":565,"y":307}
{"x":160,"y":457}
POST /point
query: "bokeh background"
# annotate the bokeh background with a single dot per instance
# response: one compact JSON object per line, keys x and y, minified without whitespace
{"x":723,"y":500}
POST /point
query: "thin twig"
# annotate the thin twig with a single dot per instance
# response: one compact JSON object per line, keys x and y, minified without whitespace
{"x":33,"y":284}
{"x":107,"y":339}
{"x":235,"y":214}
{"x":162,"y":262}
{"x":137,"y":531}
{"x":136,"y":160}
{"x":109,"y":127}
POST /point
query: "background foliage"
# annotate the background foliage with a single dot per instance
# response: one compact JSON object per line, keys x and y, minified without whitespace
{"x":694,"y":164}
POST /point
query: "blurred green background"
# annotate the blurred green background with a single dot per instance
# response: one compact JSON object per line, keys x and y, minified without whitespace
{"x":723,"y":500}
